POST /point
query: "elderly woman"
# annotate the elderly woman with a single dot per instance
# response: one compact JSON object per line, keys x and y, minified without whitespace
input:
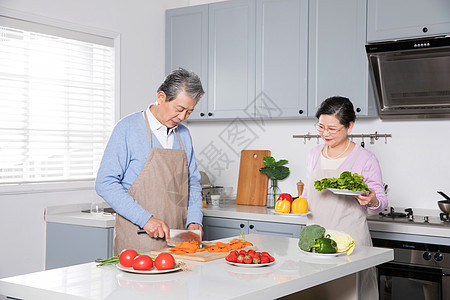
{"x":336,"y":118}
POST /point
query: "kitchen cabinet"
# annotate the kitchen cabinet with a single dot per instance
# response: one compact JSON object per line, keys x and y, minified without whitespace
{"x":256,"y":56}
{"x":187,"y":47}
{"x":68,"y":244}
{"x":391,"y":20}
{"x":281,"y":58}
{"x":218,"y":228}
{"x":231,"y":74}
{"x":338,"y":63}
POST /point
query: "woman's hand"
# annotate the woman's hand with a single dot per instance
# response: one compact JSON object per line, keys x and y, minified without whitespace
{"x":195,"y":226}
{"x":368,"y":200}
{"x":156,"y":228}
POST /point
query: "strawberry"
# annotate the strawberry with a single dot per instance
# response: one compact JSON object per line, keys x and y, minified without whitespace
{"x":256,"y":260}
{"x":251,"y":251}
{"x":271,"y":258}
{"x":265,"y":253}
{"x":234,"y":252}
{"x":265,"y":259}
{"x":248,"y":259}
{"x":243,"y":252}
{"x":231,"y":257}
{"x":240,"y":259}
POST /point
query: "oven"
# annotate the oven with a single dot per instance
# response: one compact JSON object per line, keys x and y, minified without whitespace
{"x":421,"y":265}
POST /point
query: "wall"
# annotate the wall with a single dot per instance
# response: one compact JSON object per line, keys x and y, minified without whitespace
{"x":414,"y":161}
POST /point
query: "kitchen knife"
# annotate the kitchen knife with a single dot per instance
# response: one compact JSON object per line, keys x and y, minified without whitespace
{"x":181,"y":235}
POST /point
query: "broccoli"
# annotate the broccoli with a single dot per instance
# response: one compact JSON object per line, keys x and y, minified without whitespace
{"x":308,"y":236}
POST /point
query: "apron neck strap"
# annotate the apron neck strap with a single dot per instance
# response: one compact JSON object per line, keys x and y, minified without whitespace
{"x":150,"y":132}
{"x":181,"y":144}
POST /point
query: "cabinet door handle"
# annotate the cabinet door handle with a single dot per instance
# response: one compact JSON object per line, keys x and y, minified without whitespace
{"x":202,"y":114}
{"x":210,"y":114}
{"x":242,"y":225}
{"x":300,"y":111}
{"x":252,"y":226}
{"x":358,"y":109}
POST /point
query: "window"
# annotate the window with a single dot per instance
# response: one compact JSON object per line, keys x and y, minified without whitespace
{"x":57,"y":103}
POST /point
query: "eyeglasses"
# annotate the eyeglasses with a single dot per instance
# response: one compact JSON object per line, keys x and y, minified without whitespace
{"x":320,"y":128}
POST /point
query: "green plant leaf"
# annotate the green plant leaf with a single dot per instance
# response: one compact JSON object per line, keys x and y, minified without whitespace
{"x":281,"y":162}
{"x":275,"y":169}
{"x":269,"y":161}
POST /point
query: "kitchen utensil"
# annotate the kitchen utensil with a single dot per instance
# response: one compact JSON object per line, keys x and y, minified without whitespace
{"x":215,"y":200}
{"x":180,"y":235}
{"x":444,"y":195}
{"x":300,"y":186}
{"x":444,"y":205}
{"x":97,"y":208}
{"x":252,"y":184}
{"x":199,"y":256}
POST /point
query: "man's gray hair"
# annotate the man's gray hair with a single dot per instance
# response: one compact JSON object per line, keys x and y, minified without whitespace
{"x":181,"y":80}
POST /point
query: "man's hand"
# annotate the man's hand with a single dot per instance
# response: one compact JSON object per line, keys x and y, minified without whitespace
{"x":156,"y":228}
{"x":194,"y":226}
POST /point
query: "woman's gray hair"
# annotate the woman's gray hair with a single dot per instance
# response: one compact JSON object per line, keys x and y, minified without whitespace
{"x":181,"y":80}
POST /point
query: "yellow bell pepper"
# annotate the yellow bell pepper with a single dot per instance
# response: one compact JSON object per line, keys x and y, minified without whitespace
{"x":300,"y":206}
{"x":283,"y":206}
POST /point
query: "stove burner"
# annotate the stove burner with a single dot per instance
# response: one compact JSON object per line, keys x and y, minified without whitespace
{"x":393,"y":214}
{"x":444,"y":217}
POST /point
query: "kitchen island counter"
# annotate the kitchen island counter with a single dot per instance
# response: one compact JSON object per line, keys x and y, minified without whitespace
{"x":292,"y":272}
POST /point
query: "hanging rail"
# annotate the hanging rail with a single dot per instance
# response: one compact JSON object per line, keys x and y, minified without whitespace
{"x":372,"y":136}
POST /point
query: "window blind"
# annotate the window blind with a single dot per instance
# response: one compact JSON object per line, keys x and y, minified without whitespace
{"x":56,"y":106}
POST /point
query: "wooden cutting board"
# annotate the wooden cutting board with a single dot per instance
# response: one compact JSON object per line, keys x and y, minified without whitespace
{"x":199,"y":256}
{"x":252,"y":184}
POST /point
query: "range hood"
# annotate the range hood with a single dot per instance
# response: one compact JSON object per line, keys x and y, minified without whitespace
{"x":411,"y":77}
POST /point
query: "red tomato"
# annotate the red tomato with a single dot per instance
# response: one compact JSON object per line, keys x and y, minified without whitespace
{"x":143,"y":263}
{"x":285,"y":196}
{"x":164,"y":261}
{"x":126,"y":257}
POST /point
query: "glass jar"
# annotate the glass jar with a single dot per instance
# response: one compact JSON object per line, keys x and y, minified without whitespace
{"x":272,"y":194}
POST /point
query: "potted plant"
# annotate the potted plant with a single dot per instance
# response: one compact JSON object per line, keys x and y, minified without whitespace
{"x":275,"y":171}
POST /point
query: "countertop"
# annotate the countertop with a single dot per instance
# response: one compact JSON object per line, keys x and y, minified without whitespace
{"x":293,"y":271}
{"x":71,"y":214}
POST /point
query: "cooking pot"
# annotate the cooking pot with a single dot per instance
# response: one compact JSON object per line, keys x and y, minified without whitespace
{"x":444,"y":205}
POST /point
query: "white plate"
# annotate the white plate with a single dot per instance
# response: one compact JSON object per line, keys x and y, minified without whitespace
{"x":323,"y":254}
{"x":250,"y":265}
{"x":152,"y":271}
{"x":291,"y":214}
{"x":346,"y":192}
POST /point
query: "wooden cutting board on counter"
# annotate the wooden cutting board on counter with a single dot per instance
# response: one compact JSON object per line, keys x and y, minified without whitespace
{"x":199,"y":256}
{"x":252,"y":184}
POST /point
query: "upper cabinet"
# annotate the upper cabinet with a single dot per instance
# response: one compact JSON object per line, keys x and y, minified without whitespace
{"x":272,"y":59}
{"x":338,"y":63}
{"x":391,"y":20}
{"x":281,"y":58}
{"x":187,"y":46}
{"x":231,"y":76}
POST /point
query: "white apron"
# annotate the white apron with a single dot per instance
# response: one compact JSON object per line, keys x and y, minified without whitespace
{"x":344,"y":213}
